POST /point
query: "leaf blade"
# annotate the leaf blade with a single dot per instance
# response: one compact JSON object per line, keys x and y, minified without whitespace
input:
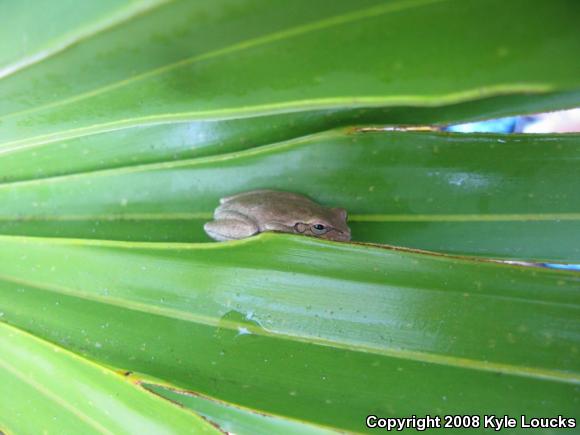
{"x":412,"y":69}
{"x":236,"y":316}
{"x":63,"y":393}
{"x":506,"y":196}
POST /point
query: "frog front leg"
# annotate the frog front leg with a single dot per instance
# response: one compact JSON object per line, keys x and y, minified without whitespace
{"x":230,"y":225}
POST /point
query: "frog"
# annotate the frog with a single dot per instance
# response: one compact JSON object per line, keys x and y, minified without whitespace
{"x":249,"y":213}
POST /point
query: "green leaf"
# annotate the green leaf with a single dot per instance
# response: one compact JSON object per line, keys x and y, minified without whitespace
{"x":187,"y":61}
{"x":235,"y":419}
{"x":30,"y":34}
{"x":129,"y":119}
{"x":191,"y":139}
{"x":511,"y":196}
{"x":46,"y":389}
{"x":311,"y":330}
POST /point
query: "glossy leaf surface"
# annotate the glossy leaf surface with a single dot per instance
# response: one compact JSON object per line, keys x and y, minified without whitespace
{"x":259,"y":58}
{"x":46,"y":389}
{"x":239,"y":420}
{"x":295,"y":326}
{"x":129,"y":119}
{"x":182,"y":140}
{"x":511,"y":196}
{"x":30,"y":34}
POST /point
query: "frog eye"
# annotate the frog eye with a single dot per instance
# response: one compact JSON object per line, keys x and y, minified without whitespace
{"x":318,"y":229}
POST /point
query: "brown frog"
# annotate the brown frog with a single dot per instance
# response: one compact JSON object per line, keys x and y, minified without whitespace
{"x":249,"y":213}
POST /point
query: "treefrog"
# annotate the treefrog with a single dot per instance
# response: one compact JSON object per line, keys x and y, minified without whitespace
{"x":245,"y":214}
